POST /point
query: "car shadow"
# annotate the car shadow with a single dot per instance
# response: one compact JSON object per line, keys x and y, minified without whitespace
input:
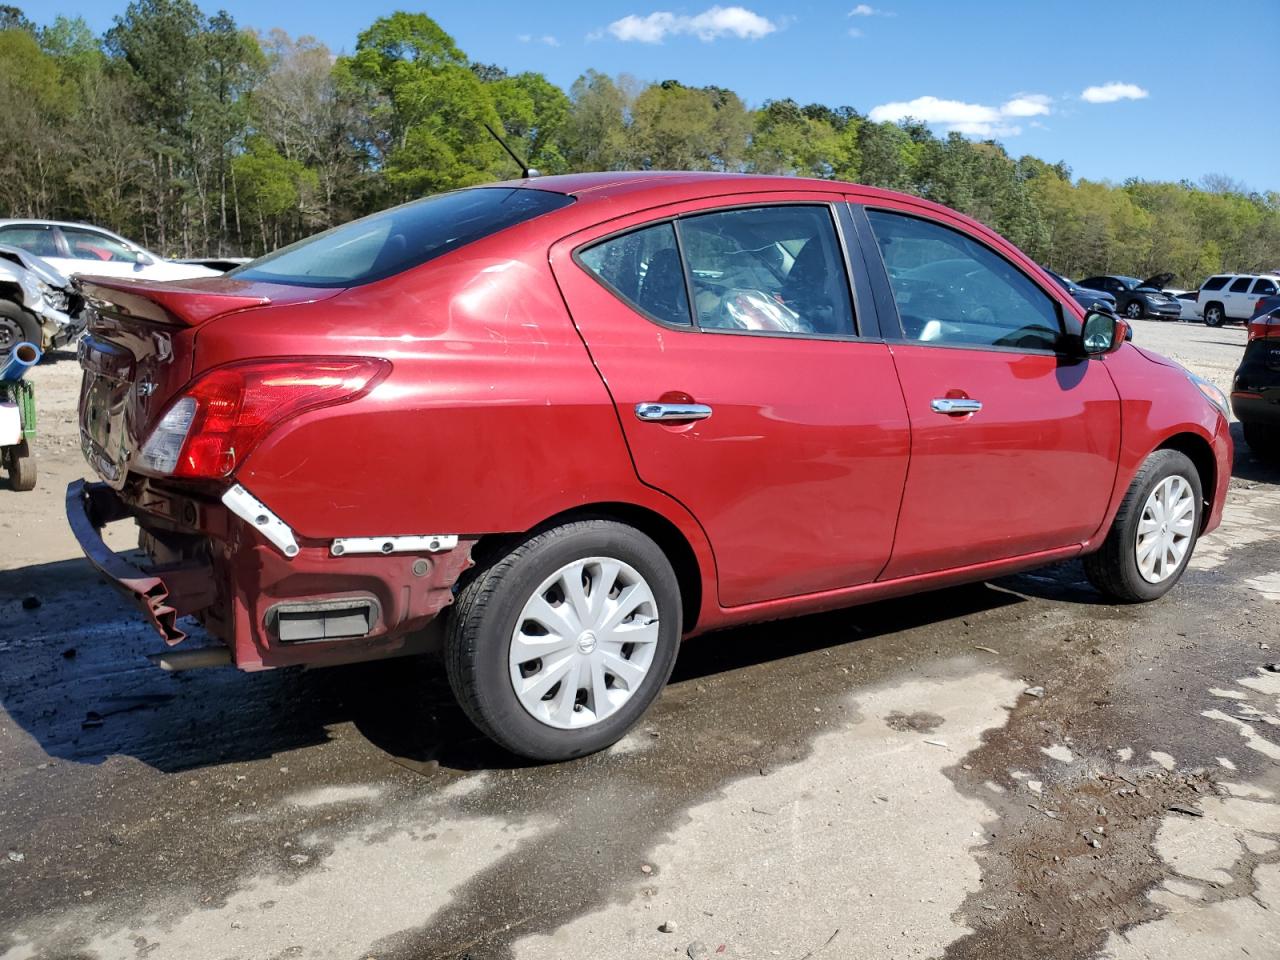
{"x":1246,"y":466}
{"x":74,"y":676}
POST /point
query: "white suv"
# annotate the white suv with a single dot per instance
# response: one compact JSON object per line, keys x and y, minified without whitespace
{"x":75,"y":248}
{"x":1232,"y":296}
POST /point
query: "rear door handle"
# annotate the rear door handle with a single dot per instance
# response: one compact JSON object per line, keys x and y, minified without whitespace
{"x":954,"y":405}
{"x":654,"y":412}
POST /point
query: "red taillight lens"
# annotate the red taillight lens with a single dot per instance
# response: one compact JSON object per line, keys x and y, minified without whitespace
{"x":225,"y":414}
{"x":1267,"y":325}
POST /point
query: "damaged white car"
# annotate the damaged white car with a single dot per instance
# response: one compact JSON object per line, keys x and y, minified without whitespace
{"x":38,"y":304}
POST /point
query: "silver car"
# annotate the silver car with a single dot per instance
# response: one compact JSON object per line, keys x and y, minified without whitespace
{"x":38,"y":304}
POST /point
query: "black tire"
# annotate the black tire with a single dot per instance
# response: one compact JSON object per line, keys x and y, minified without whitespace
{"x":1134,"y":310}
{"x":17,"y":326}
{"x":483,"y":618}
{"x":1213,"y":315}
{"x":1114,"y":568}
{"x":21,"y":466}
{"x":1263,"y":440}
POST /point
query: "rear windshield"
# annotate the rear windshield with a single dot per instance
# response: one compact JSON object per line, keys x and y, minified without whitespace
{"x":390,"y":242}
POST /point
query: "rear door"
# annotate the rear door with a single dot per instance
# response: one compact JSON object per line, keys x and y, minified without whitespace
{"x":748,"y":385}
{"x":1013,"y":445}
{"x":97,"y":254}
{"x":1235,"y":298}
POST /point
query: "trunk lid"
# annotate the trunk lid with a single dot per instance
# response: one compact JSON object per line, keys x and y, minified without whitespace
{"x":139,"y":352}
{"x":1157,"y":282}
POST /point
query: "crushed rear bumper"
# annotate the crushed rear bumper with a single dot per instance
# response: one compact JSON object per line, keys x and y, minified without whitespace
{"x":163,"y":594}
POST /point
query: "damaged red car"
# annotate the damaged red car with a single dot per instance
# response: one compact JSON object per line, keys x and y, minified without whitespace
{"x":558,"y":425}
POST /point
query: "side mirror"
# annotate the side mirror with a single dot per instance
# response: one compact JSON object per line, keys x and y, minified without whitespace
{"x":140,"y":258}
{"x":1103,"y":333}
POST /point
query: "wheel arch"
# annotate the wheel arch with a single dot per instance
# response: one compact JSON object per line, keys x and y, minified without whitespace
{"x":662,"y":530}
{"x":1199,"y":451}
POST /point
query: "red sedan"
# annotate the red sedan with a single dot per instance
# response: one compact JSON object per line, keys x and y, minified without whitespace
{"x":560,"y":424}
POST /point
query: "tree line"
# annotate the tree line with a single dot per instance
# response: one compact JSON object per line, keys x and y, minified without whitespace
{"x":196,"y":136}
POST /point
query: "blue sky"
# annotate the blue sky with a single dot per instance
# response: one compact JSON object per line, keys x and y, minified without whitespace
{"x":1167,"y":90}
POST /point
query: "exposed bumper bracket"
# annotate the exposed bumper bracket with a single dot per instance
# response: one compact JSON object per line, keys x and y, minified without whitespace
{"x":164,"y":594}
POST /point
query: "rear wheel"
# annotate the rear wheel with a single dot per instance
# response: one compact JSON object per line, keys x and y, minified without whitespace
{"x":1154,"y":533}
{"x":1213,"y":315}
{"x":16,"y":326}
{"x":21,"y":467}
{"x":556,"y":648}
{"x":1134,"y":310}
{"x":1263,"y":440}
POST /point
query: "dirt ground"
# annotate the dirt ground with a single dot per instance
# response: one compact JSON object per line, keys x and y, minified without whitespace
{"x":1011,"y":770}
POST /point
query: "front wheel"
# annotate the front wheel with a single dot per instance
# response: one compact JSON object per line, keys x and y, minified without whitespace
{"x":1134,"y":310}
{"x":1213,"y":315}
{"x":17,"y":326}
{"x":1154,"y":532}
{"x":557,"y":647}
{"x":21,"y":466}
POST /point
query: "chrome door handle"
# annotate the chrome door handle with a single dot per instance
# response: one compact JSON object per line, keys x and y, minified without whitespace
{"x":955,"y":405}
{"x":654,"y":412}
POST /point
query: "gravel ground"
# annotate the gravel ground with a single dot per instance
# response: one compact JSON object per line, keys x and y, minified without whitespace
{"x":1013,"y":769}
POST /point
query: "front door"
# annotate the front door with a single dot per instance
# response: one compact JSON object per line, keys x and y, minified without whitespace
{"x":729,"y":342}
{"x":1014,"y":445}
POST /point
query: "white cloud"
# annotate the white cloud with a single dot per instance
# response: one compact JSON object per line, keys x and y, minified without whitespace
{"x":855,"y":32}
{"x":970,"y":119}
{"x":866,"y":10}
{"x":546,"y":39}
{"x":1111,"y":92}
{"x":711,"y":24}
{"x":1027,"y":105}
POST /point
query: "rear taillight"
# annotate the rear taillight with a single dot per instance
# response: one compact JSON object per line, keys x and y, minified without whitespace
{"x":1267,"y":325}
{"x":219,"y":419}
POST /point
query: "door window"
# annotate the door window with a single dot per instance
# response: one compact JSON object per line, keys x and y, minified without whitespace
{"x":775,"y":269}
{"x":37,"y":240}
{"x":1264,"y":287}
{"x":88,"y":245}
{"x":643,"y":268}
{"x":950,"y":289}
{"x":1241,"y":285}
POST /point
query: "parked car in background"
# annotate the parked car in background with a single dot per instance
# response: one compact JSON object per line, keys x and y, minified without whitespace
{"x":1255,"y":391}
{"x":577,"y":418}
{"x":1188,"y":305}
{"x":37,"y":303}
{"x":1137,"y":299}
{"x":220,"y":264}
{"x":1233,"y":296}
{"x":76,"y":249}
{"x":1083,"y":295}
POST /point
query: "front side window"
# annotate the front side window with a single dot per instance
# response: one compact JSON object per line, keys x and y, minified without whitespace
{"x":90,"y":245}
{"x":950,"y":289}
{"x":643,"y":268}
{"x":1241,"y":285}
{"x":1264,"y":287}
{"x":775,"y":269}
{"x":395,"y":240}
{"x":1215,"y":283}
{"x":37,"y":240}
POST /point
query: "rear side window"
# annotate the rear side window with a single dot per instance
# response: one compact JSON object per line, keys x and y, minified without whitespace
{"x":775,"y":269}
{"x":950,"y":289}
{"x":37,"y":240}
{"x":643,"y":268}
{"x":1215,"y":283}
{"x":1241,"y":285}
{"x":391,"y":242}
{"x":1264,"y":287}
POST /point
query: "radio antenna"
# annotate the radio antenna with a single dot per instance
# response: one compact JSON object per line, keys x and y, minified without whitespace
{"x":526,"y":171}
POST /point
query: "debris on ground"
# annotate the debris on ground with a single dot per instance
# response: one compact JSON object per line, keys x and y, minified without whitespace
{"x":1036,"y":692}
{"x":667,"y":926}
{"x":1182,"y":808}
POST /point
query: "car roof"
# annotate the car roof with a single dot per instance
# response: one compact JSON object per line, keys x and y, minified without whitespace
{"x":1252,"y":276}
{"x":624,"y":188}
{"x":33,"y":221}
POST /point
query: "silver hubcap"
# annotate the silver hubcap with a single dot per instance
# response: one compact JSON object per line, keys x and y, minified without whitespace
{"x":1166,"y":529}
{"x":1134,"y":311}
{"x":584,"y":642}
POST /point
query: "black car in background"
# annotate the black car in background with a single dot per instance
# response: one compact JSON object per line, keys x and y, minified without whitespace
{"x":1082,"y":295}
{"x":1136,"y":299}
{"x":1255,"y":391}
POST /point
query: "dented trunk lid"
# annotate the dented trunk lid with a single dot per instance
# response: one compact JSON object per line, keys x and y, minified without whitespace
{"x":139,"y":351}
